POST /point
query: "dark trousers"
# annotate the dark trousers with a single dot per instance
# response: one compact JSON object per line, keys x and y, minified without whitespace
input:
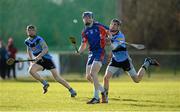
{"x":13,"y":69}
{"x":3,"y":69}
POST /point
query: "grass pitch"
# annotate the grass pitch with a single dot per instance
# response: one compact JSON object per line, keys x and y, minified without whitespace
{"x":150,"y":95}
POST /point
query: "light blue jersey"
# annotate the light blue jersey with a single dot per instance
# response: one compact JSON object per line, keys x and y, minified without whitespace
{"x":119,"y":52}
{"x":34,"y":44}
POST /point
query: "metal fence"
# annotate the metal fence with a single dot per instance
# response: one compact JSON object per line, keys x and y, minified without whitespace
{"x":169,"y":62}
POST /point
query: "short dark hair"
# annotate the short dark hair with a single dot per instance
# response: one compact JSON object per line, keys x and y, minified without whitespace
{"x":31,"y":27}
{"x":119,"y":22}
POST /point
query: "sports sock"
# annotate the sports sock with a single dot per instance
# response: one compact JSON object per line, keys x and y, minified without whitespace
{"x":44,"y":82}
{"x":96,"y":94}
{"x":101,"y":88}
{"x":71,"y":91}
{"x":105,"y":89}
{"x":146,"y":65}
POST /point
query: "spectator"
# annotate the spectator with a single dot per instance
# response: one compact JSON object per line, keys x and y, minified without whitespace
{"x":3,"y":58}
{"x":12,"y":54}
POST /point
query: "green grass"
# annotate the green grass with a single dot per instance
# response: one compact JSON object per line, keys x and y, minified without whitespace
{"x":154,"y":94}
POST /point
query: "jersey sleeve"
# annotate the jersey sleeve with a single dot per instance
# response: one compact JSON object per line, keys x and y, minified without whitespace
{"x":103,"y":30}
{"x":119,"y":41}
{"x":84,"y":37}
{"x":103,"y":34}
{"x":43,"y":44}
{"x":26,"y":42}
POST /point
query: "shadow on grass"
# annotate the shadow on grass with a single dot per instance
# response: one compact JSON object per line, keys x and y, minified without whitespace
{"x":148,"y":103}
{"x":155,"y":105}
{"x":134,"y":100}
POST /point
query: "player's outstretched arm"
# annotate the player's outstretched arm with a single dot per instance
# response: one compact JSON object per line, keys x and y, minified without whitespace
{"x":82,"y":47}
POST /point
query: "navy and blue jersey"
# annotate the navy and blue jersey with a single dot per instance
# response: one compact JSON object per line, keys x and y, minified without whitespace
{"x":120,"y":54}
{"x":34,"y":44}
{"x":95,"y":36}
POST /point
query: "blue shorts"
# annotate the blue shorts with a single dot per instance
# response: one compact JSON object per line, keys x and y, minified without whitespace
{"x":95,"y":56}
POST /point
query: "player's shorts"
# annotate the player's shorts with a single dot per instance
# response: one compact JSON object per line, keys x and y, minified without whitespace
{"x":126,"y":65}
{"x":95,"y":56}
{"x":46,"y":63}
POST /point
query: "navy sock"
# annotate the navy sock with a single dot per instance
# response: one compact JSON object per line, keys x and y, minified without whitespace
{"x":44,"y":82}
{"x":71,"y":91}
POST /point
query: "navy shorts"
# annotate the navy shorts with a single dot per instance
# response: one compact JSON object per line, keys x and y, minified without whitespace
{"x":125,"y":65}
{"x":95,"y":56}
{"x":46,"y":63}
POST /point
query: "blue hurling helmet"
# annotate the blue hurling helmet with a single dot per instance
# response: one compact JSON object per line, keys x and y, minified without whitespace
{"x":87,"y":13}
